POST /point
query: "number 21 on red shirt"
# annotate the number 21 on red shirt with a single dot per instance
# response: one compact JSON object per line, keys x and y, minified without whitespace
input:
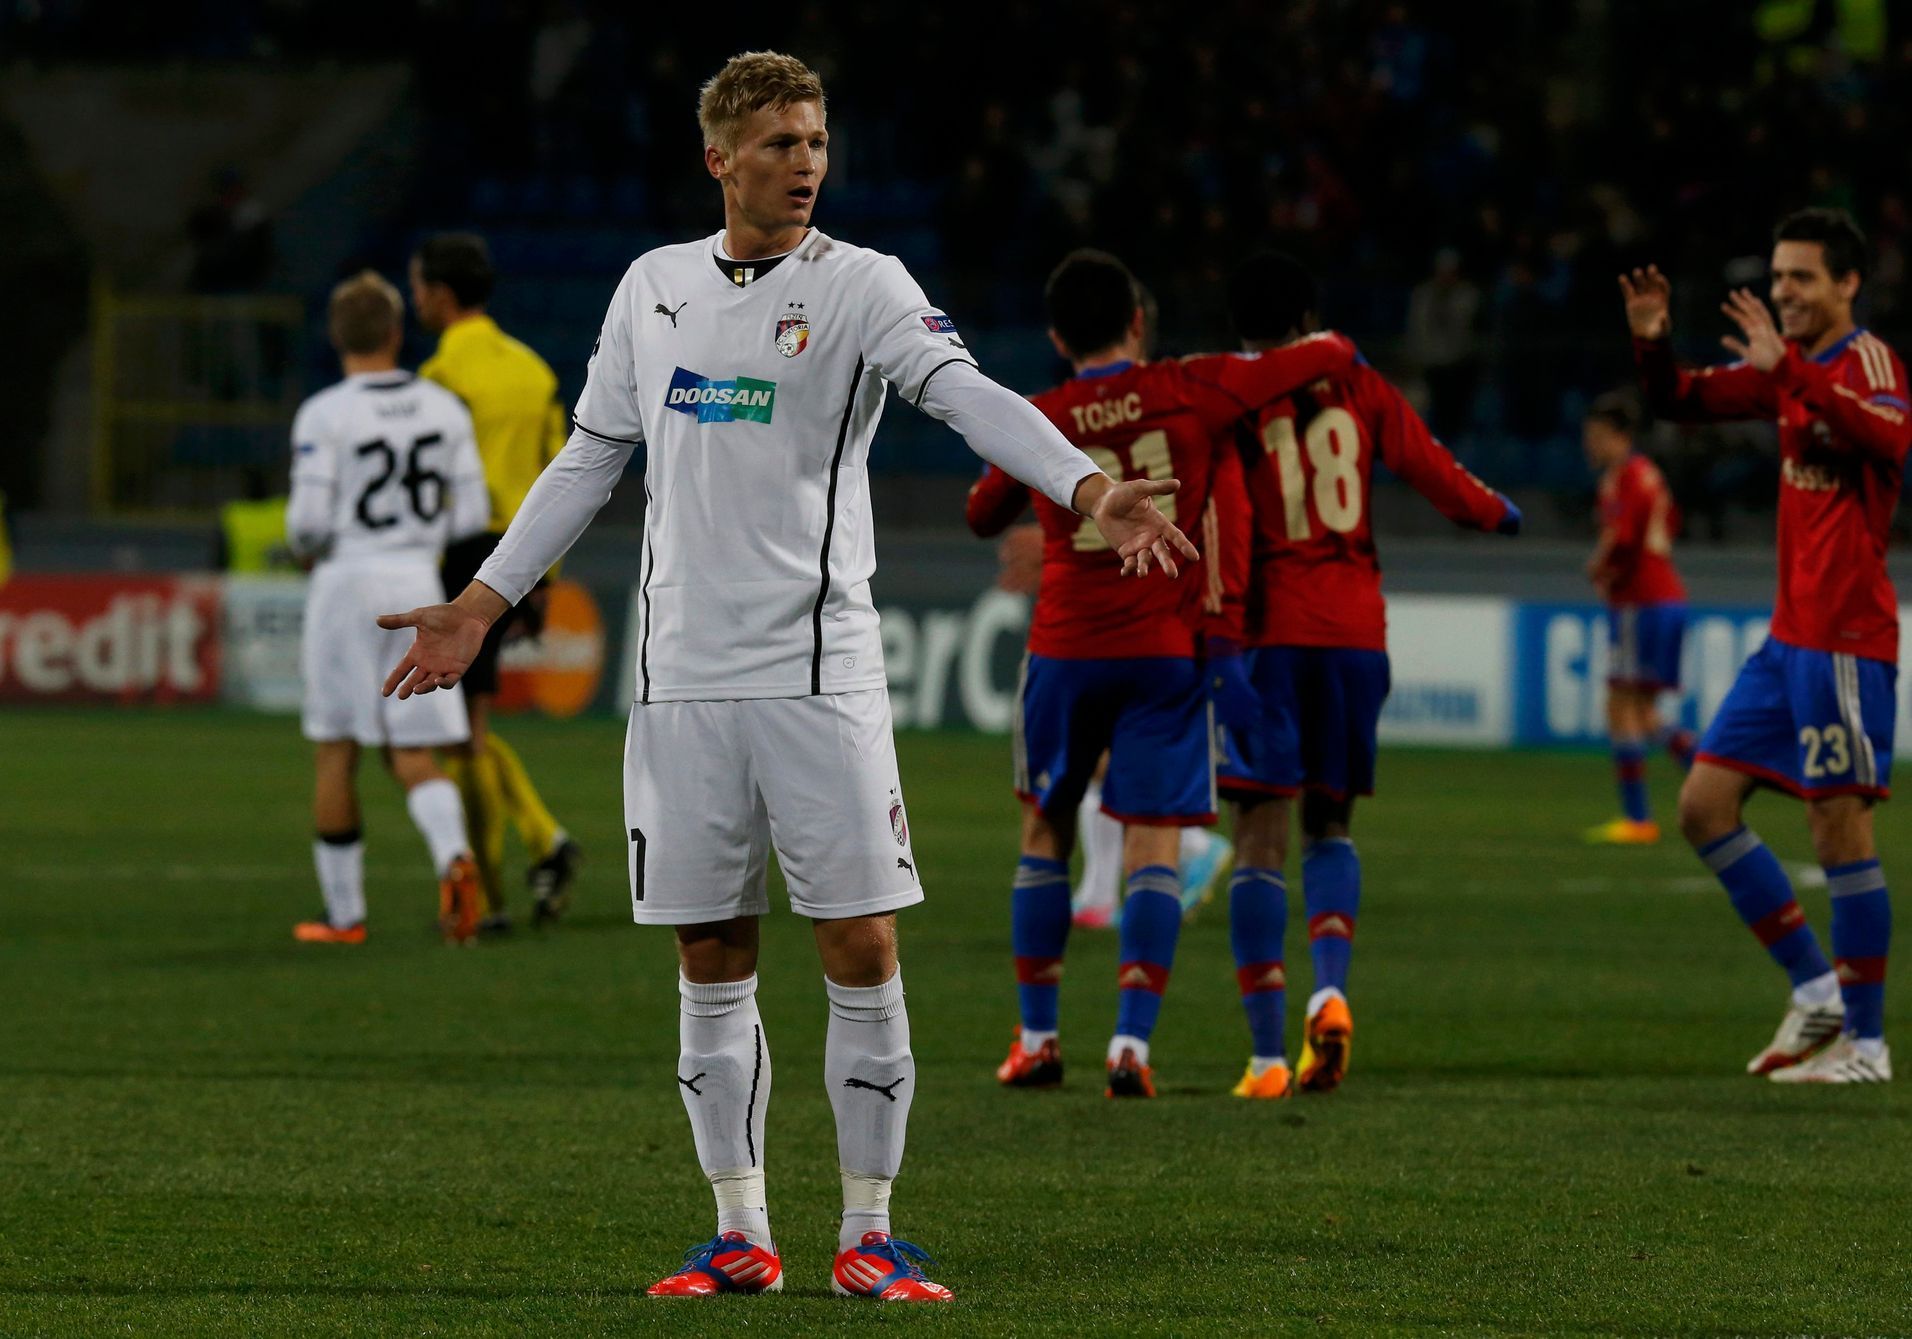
{"x":1150,"y":455}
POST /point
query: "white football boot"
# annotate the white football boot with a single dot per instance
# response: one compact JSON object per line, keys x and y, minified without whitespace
{"x":1803,"y":1033}
{"x":1841,"y":1062}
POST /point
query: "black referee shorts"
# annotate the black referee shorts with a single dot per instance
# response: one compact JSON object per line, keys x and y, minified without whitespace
{"x":462,"y":561}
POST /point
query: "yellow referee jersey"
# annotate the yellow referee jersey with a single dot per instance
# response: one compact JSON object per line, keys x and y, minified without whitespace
{"x":513,"y":398}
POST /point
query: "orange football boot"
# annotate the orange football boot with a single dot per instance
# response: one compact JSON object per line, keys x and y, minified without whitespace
{"x":1129,"y":1077}
{"x":1324,"y":1055}
{"x":461,"y":901}
{"x":1040,"y":1068}
{"x":728,"y":1263}
{"x":324,"y":932}
{"x":886,"y":1268}
{"x":1271,"y":1085}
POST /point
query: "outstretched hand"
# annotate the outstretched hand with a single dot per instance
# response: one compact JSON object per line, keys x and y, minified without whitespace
{"x":1763,"y":346}
{"x":1648,"y":297}
{"x":449,"y":637}
{"x":1135,"y":528}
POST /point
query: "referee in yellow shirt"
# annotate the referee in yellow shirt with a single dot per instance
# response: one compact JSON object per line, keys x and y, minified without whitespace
{"x":513,"y":398}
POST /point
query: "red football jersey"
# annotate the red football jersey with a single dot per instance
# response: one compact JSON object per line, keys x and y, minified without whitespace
{"x":1844,"y":427}
{"x":1638,"y":520}
{"x":1310,"y":462}
{"x":1143,"y":420}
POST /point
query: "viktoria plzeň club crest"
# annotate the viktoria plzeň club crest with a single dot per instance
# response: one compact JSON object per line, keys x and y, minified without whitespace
{"x":899,"y":825}
{"x":793,"y":331}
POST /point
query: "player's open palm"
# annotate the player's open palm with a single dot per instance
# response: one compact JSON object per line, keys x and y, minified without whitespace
{"x":447,"y":642}
{"x":1763,"y":346}
{"x":1128,"y":518}
{"x":1648,"y":296}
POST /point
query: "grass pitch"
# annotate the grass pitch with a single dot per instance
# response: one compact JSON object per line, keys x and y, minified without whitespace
{"x":205,"y":1128}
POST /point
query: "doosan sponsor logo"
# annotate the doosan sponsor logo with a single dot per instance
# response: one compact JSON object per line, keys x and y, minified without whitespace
{"x":709,"y":400}
{"x":88,"y":638}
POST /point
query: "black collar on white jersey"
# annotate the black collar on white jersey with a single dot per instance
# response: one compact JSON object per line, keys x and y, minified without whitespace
{"x":744,"y":273}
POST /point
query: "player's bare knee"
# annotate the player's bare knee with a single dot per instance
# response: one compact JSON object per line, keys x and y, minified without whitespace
{"x":718,"y":951}
{"x":1841,"y":827}
{"x":1145,"y":845}
{"x":1261,"y":832}
{"x":412,"y":767}
{"x":1046,"y":836}
{"x":858,"y":950}
{"x":1709,"y":809}
{"x":1325,"y":817}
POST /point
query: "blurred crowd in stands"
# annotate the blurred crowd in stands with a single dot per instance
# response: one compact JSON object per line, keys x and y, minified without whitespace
{"x":1467,"y":179}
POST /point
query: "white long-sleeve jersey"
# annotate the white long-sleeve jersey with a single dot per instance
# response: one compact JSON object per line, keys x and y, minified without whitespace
{"x":384,"y":465}
{"x":757,"y":402}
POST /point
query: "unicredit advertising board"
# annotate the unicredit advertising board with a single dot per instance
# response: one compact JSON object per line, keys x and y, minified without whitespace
{"x":94,"y":638}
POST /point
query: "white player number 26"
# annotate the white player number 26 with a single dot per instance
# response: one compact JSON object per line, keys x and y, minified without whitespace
{"x":1827,"y":752}
{"x":1333,"y":446}
{"x":1149,"y":456}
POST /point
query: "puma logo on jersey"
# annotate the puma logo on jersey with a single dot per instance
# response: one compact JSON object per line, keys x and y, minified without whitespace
{"x":887,"y":1089}
{"x":661,"y":310}
{"x":691,"y":1082}
{"x":906,"y":866}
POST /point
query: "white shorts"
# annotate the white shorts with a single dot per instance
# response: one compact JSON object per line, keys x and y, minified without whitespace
{"x":710,"y":786}
{"x":344,"y":657}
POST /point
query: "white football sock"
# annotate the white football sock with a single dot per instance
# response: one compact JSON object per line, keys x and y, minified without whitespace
{"x":1872,"y":1048}
{"x":872,"y":1079}
{"x":440,"y":817}
{"x":1120,"y":1043}
{"x":1260,"y":1064}
{"x":1101,"y":840}
{"x":1818,"y":992}
{"x":1032,"y":1040}
{"x":341,"y":867}
{"x":723,"y":1075}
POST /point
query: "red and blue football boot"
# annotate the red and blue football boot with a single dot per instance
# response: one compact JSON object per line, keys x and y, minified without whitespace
{"x":729,"y":1263}
{"x":888,"y":1269}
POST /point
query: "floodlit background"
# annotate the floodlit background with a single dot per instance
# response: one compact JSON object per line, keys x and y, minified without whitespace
{"x":183,"y":183}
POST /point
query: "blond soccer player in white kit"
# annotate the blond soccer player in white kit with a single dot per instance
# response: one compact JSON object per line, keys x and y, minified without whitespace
{"x":753,"y":366}
{"x":385,"y":473}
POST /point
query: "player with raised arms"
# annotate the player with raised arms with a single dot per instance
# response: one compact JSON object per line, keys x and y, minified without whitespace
{"x":1117,"y":669}
{"x":1812,"y":712}
{"x":753,"y":365}
{"x":385,"y":474}
{"x":1632,"y":568}
{"x":1317,"y":629}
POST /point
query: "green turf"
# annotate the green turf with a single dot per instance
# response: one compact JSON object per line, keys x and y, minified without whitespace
{"x":205,"y":1128}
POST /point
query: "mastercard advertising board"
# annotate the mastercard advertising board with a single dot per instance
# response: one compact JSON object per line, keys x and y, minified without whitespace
{"x":559,"y":671}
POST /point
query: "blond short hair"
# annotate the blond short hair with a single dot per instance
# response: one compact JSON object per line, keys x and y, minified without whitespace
{"x":364,"y":314}
{"x":750,"y":82}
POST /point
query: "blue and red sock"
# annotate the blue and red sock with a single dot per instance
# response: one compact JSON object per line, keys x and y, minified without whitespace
{"x":1331,"y":893}
{"x":1762,"y":895}
{"x":1629,"y":768}
{"x":1861,"y":935}
{"x":1038,"y":932}
{"x":1151,"y":925}
{"x":1257,"y":927}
